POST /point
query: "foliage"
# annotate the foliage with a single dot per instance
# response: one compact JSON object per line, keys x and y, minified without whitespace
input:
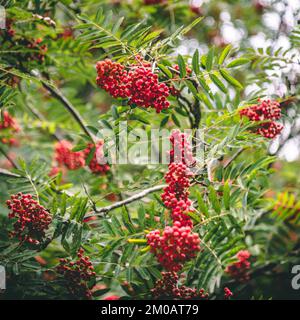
{"x":48,"y":83}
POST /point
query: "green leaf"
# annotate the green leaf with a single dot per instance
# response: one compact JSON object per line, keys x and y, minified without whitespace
{"x":191,"y":25}
{"x":203,"y":84}
{"x":192,"y":88}
{"x":237,"y":62}
{"x":196,"y":62}
{"x":127,"y":220}
{"x":114,"y":112}
{"x":175,"y":120}
{"x":224,"y":54}
{"x":209,"y":59}
{"x":201,"y":204}
{"x":79,"y":147}
{"x":212,"y":195}
{"x":182,"y":67}
{"x":218,"y":82}
{"x":226,"y":195}
{"x":230,"y":79}
{"x":206,"y":100}
{"x":139,"y":118}
{"x":164,"y":121}
{"x":90,"y":156}
{"x":165,"y":70}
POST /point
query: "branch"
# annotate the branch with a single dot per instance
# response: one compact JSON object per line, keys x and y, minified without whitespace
{"x":133,"y":198}
{"x":234,"y":157}
{"x":67,"y":104}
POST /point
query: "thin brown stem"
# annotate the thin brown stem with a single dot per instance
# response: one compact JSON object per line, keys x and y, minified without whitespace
{"x":105,"y":210}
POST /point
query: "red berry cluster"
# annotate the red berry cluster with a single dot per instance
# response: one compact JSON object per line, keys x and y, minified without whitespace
{"x":65,"y":156}
{"x":113,"y":78}
{"x":140,"y":85}
{"x":181,"y":150}
{"x":74,"y":160}
{"x":95,"y":164}
{"x":32,"y":219}
{"x":146,"y":91}
{"x":239,"y":269}
{"x":227,"y":293}
{"x":8,"y":125}
{"x":167,"y":288}
{"x":176,"y":245}
{"x":267,"y":111}
{"x":77,"y":274}
{"x":270,"y":129}
{"x":175,"y":195}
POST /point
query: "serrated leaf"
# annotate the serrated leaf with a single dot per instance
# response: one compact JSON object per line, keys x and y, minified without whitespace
{"x":230,"y":79}
{"x":212,"y":195}
{"x":182,"y":67}
{"x":224,"y":54}
{"x":226,"y":195}
{"x":165,"y":70}
{"x":175,"y":120}
{"x":201,"y":204}
{"x":209,"y":59}
{"x":196,"y":62}
{"x":218,"y":83}
{"x":237,"y":62}
{"x":164,"y":121}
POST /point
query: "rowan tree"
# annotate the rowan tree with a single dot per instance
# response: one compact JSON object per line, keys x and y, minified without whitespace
{"x":219,"y":219}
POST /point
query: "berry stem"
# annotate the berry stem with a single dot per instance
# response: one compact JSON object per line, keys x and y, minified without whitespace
{"x":137,"y":241}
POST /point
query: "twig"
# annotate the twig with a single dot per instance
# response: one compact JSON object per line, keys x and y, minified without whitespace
{"x":55,"y":92}
{"x":234,"y":157}
{"x":133,"y":198}
{"x":67,"y":104}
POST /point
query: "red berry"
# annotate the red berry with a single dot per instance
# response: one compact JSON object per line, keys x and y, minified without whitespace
{"x":168,"y":288}
{"x":65,"y":156}
{"x":139,"y":85}
{"x":227,"y":293}
{"x":77,"y":275}
{"x":239,"y":269}
{"x":32,"y":219}
{"x":175,"y":246}
{"x":266,"y":110}
{"x":95,"y":164}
